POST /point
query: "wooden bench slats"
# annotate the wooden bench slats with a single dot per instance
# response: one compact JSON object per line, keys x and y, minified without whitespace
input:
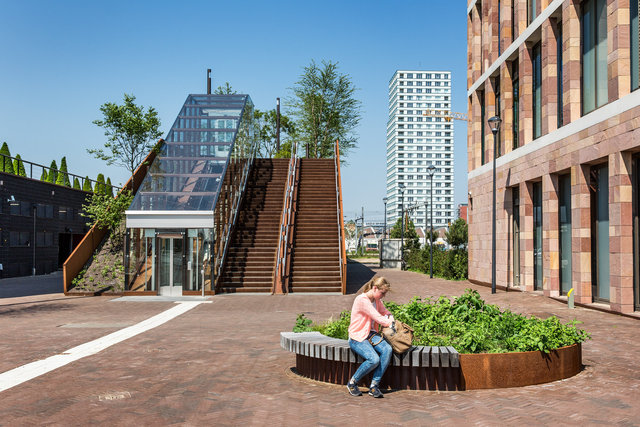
{"x":316,"y":345}
{"x":435,"y":357}
{"x":444,"y":357}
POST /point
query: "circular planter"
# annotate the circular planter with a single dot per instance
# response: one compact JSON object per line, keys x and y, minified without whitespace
{"x":500,"y":370}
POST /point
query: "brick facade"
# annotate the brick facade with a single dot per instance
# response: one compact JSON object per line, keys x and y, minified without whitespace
{"x":574,"y":146}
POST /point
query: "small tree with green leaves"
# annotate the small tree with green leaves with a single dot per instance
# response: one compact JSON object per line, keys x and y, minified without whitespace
{"x":18,"y":166}
{"x":411,"y":239}
{"x":457,"y":235}
{"x":266,"y":122}
{"x":7,"y":164}
{"x":86,"y":185}
{"x":44,"y":177}
{"x":224,"y":90}
{"x":131,"y":133}
{"x":107,"y":212}
{"x":53,"y":172}
{"x":63,"y":176}
{"x":76,"y":183}
{"x":99,"y":188}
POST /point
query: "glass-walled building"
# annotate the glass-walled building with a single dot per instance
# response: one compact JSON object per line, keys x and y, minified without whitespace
{"x":179,"y":222}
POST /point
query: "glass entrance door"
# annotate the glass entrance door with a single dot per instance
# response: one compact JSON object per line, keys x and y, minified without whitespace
{"x":564,"y":219}
{"x":170,"y":264}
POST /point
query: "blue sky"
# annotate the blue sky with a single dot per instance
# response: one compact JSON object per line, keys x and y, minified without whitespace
{"x":62,"y":60}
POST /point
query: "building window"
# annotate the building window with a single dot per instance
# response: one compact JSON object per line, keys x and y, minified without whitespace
{"x":600,"y":233}
{"x":513,"y":20}
{"x":482,"y":118}
{"x":496,"y":86}
{"x":516,"y":103}
{"x":537,"y":91}
{"x":560,"y":102}
{"x":564,"y":220}
{"x":537,"y":235}
{"x":19,"y":238}
{"x":531,"y":11}
{"x":594,"y":55}
{"x":635,"y":68}
{"x":499,"y":30}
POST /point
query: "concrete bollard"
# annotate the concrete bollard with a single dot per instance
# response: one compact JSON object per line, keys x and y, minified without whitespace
{"x":570,"y":298}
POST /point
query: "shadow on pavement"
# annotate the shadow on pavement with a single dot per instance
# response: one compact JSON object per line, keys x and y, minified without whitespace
{"x":357,"y":275}
{"x":31,"y":285}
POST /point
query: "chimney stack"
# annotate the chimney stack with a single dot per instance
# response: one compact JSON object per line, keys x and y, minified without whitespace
{"x":208,"y":81}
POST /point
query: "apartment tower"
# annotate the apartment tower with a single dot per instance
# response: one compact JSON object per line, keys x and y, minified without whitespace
{"x":562,"y":76}
{"x":416,"y":139}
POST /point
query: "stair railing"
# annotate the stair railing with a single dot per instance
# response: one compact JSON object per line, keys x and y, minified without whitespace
{"x":341,"y":237}
{"x":287,"y":218}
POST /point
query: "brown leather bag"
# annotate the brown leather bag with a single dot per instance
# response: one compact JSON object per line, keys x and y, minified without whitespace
{"x":399,"y":335}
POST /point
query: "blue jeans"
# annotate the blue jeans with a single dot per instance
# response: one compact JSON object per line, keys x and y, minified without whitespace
{"x":377,"y":357}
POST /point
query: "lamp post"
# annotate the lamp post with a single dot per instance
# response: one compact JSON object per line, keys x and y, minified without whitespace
{"x":384,"y":234}
{"x":431,"y":170}
{"x":401,"y":189}
{"x":494,"y":123}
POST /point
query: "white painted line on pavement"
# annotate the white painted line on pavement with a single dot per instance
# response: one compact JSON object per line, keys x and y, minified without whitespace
{"x":32,"y":370}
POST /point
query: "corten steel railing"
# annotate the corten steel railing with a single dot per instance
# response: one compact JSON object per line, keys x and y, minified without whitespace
{"x":287,"y":219}
{"x":341,"y":237}
{"x":228,"y":199}
{"x":95,"y":235}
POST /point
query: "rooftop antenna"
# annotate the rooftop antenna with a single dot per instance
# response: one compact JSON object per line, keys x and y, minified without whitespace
{"x":208,"y":81}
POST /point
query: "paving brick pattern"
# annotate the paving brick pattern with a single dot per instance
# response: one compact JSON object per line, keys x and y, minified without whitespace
{"x":221,"y":364}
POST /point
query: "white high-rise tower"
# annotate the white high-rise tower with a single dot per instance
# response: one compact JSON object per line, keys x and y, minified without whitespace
{"x":415,"y":141}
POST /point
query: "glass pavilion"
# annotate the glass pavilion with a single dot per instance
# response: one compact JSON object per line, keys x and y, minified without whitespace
{"x":180,"y":220}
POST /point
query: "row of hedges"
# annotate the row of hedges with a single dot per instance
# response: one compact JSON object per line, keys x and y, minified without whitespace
{"x":448,"y":264}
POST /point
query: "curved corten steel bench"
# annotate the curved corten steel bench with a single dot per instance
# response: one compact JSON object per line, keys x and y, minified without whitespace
{"x":331,"y":360}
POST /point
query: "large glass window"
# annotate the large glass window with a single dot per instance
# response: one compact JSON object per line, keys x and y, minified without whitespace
{"x":516,"y":103}
{"x":531,"y":11}
{"x":564,"y":221}
{"x":594,"y":55}
{"x":635,"y":68}
{"x":537,"y":91}
{"x":482,"y":129}
{"x":537,"y":235}
{"x":600,"y":233}
{"x":559,"y":78}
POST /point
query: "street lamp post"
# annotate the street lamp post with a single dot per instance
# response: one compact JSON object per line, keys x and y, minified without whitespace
{"x":494,"y":123}
{"x":384,"y":234}
{"x":401,"y":188}
{"x":431,"y":170}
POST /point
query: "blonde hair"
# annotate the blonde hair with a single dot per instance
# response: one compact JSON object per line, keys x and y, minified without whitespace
{"x":379,"y":282}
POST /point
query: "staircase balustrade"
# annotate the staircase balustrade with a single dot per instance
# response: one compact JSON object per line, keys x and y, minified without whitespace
{"x":341,"y":237}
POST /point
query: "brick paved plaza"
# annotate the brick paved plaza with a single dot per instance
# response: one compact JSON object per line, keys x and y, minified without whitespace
{"x":186,"y":372}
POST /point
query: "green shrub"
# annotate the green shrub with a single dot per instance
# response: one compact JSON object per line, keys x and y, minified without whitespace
{"x":468,"y":324}
{"x":76,"y":183}
{"x":86,"y":185}
{"x":53,"y":172}
{"x":18,"y":166}
{"x":7,"y":164}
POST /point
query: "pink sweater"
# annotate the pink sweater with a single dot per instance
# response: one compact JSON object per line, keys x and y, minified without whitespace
{"x":362,"y":313}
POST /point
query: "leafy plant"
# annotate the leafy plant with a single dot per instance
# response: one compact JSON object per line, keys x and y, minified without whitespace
{"x":468,"y":324}
{"x":106,"y":211}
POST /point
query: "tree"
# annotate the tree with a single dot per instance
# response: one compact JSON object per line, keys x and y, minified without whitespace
{"x":76,"y":183}
{"x":107,"y":212}
{"x":108,"y":189}
{"x":411,"y":239}
{"x":86,"y":185}
{"x":18,"y":166}
{"x":99,"y":188}
{"x":431,"y":234}
{"x":7,"y":165}
{"x":325,"y":109}
{"x":53,"y":172}
{"x":457,"y":235}
{"x":267,"y":134}
{"x":131,"y":133}
{"x":44,"y":176}
{"x":63,"y":176}
{"x":226,"y":90}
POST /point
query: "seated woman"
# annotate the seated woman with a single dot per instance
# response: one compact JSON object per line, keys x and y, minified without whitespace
{"x":367,"y":313}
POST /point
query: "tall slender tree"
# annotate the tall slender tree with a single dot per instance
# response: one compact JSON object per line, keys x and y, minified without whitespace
{"x":325,"y":109}
{"x":108,"y":188}
{"x":44,"y":176}
{"x":18,"y":166}
{"x":86,"y":185}
{"x":99,"y":188}
{"x":63,"y":176}
{"x":7,"y":164}
{"x":76,"y":183}
{"x":53,"y":172}
{"x":267,"y":134}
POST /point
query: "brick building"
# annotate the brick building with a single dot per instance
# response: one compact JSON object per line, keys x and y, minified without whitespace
{"x":562,"y":76}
